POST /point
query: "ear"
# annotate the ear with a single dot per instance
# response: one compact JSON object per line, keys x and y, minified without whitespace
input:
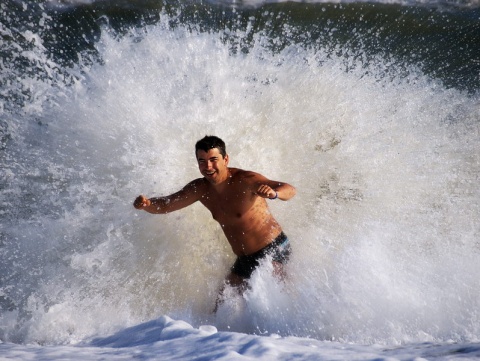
{"x":226,"y":159}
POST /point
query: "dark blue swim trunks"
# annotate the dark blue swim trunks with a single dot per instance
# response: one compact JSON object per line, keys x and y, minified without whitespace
{"x":279,"y":250}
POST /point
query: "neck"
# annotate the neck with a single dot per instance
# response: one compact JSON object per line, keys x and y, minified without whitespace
{"x":220,"y":186}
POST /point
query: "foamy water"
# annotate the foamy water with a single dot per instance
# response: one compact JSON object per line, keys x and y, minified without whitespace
{"x":384,"y":226}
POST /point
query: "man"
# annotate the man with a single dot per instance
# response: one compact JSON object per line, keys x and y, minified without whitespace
{"x":237,"y":200}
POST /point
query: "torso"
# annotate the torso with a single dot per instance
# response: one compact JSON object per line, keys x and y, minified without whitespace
{"x":244,"y":217}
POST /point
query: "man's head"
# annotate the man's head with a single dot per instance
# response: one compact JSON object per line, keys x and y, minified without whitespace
{"x":212,"y":159}
{"x":209,"y":142}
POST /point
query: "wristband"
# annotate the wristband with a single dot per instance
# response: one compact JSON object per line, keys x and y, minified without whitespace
{"x":276,"y":196}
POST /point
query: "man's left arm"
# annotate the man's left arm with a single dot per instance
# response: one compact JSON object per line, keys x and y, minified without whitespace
{"x":271,"y":189}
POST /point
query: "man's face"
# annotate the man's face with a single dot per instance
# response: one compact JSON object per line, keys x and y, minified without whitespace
{"x":213,"y":165}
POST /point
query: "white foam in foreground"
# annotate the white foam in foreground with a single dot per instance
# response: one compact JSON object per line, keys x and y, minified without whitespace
{"x":166,"y":339}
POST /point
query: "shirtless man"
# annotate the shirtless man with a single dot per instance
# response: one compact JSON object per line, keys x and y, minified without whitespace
{"x":237,"y":200}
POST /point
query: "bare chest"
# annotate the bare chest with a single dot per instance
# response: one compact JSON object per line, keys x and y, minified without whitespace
{"x":230,"y":205}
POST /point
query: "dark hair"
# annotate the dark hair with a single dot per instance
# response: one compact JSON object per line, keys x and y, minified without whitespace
{"x":209,"y":142}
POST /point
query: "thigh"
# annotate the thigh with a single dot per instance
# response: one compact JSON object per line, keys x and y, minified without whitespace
{"x":235,"y":280}
{"x":279,"y":270}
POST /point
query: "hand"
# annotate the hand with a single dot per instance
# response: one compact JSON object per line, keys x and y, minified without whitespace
{"x":141,"y":202}
{"x":266,"y":191}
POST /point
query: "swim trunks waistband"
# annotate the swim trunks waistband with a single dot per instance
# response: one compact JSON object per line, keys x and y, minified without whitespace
{"x":279,"y":249}
{"x":277,"y":242}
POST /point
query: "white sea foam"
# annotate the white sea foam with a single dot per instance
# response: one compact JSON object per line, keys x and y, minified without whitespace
{"x":384,"y":227}
{"x":166,"y":339}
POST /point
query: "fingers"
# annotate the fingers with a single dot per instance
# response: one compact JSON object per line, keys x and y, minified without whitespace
{"x":265,"y":191}
{"x":141,"y":202}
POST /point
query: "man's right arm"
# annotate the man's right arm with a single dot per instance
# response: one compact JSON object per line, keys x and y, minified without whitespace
{"x":188,"y":195}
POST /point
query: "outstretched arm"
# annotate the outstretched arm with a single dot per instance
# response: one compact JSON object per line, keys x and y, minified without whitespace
{"x":188,"y":195}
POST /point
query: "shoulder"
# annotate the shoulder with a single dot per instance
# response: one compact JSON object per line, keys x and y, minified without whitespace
{"x":242,"y":173}
{"x":198,"y":185}
{"x":247,"y":176}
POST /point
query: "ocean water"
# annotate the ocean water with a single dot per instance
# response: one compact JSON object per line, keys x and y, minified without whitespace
{"x":370,"y":109}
